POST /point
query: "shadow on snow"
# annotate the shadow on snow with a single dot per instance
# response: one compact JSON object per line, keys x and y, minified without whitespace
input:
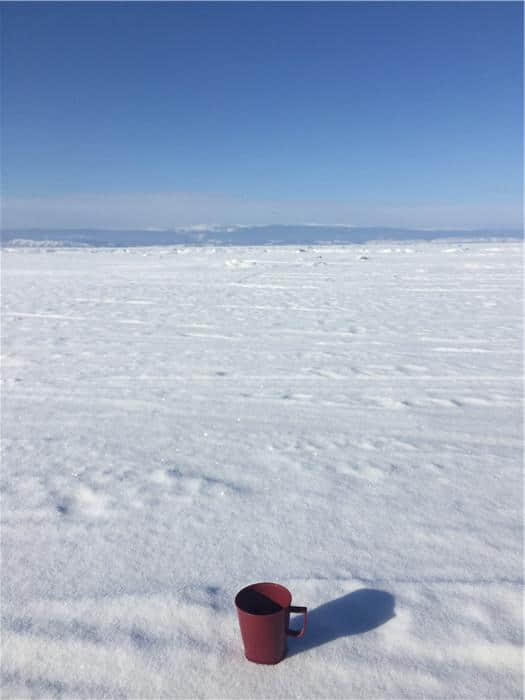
{"x":355,"y":613}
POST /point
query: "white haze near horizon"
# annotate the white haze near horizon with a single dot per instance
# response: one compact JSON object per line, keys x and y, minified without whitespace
{"x":190,"y":209}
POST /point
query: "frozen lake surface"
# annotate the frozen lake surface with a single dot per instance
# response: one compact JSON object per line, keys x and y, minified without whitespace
{"x":180,"y":422}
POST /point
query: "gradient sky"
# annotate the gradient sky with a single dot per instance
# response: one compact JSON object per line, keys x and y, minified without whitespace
{"x":171,"y":114}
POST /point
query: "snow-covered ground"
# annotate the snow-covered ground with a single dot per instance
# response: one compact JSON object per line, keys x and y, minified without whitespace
{"x":178,"y":423}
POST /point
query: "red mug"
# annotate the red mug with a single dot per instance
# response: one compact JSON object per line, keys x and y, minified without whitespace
{"x":264,"y":616}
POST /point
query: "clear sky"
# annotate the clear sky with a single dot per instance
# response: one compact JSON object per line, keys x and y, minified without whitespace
{"x":169,"y":114}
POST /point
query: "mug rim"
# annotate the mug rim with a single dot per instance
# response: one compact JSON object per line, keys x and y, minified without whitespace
{"x":263,"y":583}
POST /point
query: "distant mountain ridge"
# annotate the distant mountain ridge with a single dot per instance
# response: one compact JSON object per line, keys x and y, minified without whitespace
{"x":274,"y":234}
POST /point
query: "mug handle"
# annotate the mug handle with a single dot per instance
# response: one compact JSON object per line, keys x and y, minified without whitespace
{"x":297,"y":633}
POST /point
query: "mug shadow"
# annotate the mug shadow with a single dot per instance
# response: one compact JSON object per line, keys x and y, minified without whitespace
{"x":355,"y":613}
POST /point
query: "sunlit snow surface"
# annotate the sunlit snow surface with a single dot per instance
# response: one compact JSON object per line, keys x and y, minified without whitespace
{"x":178,"y":423}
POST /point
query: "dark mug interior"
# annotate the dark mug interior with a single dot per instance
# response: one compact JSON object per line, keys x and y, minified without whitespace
{"x":263,"y":599}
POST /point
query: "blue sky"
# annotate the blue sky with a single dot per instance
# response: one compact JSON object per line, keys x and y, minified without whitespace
{"x":180,"y":114}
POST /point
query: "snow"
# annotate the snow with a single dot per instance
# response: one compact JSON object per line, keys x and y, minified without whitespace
{"x":180,"y":422}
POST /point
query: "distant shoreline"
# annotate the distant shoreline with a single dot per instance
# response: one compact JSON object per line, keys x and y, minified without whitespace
{"x":274,"y":235}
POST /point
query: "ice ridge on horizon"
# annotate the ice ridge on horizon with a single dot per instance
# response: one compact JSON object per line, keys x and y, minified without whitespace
{"x":274,"y":234}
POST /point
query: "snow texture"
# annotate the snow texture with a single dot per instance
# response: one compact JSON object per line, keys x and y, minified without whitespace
{"x":181,"y":422}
